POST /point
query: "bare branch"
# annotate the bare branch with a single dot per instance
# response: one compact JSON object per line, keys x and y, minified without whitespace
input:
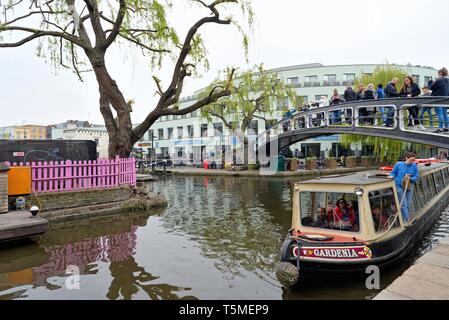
{"x":117,"y":24}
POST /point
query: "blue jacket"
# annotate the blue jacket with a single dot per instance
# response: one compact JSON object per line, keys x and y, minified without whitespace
{"x":380,"y":93}
{"x":440,"y":87}
{"x":401,"y":169}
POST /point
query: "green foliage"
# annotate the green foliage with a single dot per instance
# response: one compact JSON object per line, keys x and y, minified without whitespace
{"x":254,"y":93}
{"x":384,"y":149}
{"x":382,"y":75}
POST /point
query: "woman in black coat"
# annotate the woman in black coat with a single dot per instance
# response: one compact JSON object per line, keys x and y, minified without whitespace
{"x":409,"y":90}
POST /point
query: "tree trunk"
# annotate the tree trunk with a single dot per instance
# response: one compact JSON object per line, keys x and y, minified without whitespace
{"x":119,"y":128}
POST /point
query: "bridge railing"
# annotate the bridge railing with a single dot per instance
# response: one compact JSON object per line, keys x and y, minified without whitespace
{"x":385,"y":114}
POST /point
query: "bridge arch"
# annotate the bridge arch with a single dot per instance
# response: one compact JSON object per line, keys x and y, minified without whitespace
{"x":354,"y":118}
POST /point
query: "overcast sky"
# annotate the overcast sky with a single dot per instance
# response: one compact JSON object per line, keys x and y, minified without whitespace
{"x":287,"y":32}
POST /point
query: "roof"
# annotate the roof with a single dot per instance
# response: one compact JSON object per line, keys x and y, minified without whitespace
{"x":365,"y":178}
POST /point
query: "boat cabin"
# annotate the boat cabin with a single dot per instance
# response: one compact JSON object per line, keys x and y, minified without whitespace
{"x":363,"y":206}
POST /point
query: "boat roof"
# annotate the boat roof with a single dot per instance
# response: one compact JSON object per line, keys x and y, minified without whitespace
{"x":364,"y":178}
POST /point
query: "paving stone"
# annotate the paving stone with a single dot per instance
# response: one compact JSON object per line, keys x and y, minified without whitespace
{"x":388,"y":295}
{"x":434,"y":259}
{"x":419,"y":289}
{"x":442,"y":249}
{"x":430,"y":273}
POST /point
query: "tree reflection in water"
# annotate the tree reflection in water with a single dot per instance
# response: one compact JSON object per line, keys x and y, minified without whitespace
{"x":85,"y":244}
{"x":232,"y":220}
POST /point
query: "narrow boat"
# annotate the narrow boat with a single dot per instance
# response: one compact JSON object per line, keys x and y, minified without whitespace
{"x":343,"y":224}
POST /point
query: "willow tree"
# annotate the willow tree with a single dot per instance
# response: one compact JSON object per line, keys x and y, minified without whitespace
{"x":255,"y":94}
{"x":77,"y":34}
{"x":384,"y":149}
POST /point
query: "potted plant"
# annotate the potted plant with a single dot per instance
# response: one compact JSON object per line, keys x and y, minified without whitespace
{"x":351,"y":162}
{"x":310,"y":163}
{"x":331,"y":163}
{"x":367,"y":161}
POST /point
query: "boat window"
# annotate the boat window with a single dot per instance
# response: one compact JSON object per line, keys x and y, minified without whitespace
{"x":383,"y":209}
{"x":439,"y":181}
{"x":330,"y":210}
{"x":419,"y":194}
{"x":446,"y":174}
{"x":426,"y":187}
{"x":433,"y":189}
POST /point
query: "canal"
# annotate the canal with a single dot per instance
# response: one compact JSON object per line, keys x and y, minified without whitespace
{"x":219,"y":238}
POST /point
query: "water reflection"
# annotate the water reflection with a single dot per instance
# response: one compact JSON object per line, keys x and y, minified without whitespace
{"x":219,"y":239}
{"x":85,"y":244}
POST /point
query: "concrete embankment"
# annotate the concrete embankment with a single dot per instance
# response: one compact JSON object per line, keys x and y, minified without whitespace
{"x":188,"y":171}
{"x":59,"y":206}
{"x":427,"y":279}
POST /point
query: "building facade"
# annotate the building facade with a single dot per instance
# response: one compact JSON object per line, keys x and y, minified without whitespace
{"x":99,"y":135}
{"x":192,"y":137}
{"x":23,"y":132}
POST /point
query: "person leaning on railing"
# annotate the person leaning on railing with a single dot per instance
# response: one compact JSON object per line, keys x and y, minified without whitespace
{"x":440,"y":88}
{"x":391,"y":91}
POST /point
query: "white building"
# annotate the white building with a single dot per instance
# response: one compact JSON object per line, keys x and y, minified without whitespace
{"x":99,"y":135}
{"x":190,"y":135}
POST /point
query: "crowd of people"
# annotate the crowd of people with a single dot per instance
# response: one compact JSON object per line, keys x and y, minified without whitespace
{"x":409,"y":89}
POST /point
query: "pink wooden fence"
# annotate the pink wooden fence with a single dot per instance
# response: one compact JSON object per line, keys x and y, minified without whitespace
{"x":81,"y":175}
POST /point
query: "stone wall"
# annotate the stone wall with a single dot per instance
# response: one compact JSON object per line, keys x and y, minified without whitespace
{"x":74,"y":199}
{"x":3,"y":191}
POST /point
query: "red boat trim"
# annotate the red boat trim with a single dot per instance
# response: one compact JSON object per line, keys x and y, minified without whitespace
{"x":337,"y":254}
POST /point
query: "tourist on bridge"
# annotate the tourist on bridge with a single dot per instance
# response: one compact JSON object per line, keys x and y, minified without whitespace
{"x":336,"y":115}
{"x":440,"y":88}
{"x":381,"y":95}
{"x":426,"y":93}
{"x":350,"y":94}
{"x":391,"y":91}
{"x":409,"y":90}
{"x":405,"y":175}
{"x":370,"y":94}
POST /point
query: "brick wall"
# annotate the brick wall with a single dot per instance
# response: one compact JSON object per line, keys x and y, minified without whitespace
{"x":73,"y":199}
{"x":3,"y":192}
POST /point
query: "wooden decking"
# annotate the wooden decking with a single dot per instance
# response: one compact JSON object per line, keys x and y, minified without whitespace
{"x":21,"y":224}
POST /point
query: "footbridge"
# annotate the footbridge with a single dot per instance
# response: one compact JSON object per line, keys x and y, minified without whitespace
{"x":386,"y":118}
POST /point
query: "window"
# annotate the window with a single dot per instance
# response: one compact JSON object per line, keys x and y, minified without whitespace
{"x":204,"y":130}
{"x":330,"y":210}
{"x":160,"y":134}
{"x":218,"y":129}
{"x":416,"y":78}
{"x":349,"y":76}
{"x":190,"y":131}
{"x":151,"y":133}
{"x":425,"y":183}
{"x":383,"y":209}
{"x":330,"y":77}
{"x":253,"y":127}
{"x":426,"y":80}
{"x":195,"y":114}
{"x":293,"y":81}
{"x":97,"y":141}
{"x":282,"y":103}
{"x":318,"y":98}
{"x":311,"y":78}
{"x":269,"y":123}
{"x":433,"y":189}
{"x":419,"y":195}
{"x":438,"y":181}
{"x":180,"y":132}
{"x":170,"y":133}
{"x":164,"y":151}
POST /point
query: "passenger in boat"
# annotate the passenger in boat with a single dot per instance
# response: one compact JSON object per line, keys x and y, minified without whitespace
{"x":321,"y":220}
{"x":380,"y":218}
{"x":344,"y":216}
{"x":403,"y":172}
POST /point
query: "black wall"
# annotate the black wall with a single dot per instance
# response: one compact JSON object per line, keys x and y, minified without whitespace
{"x":47,"y":150}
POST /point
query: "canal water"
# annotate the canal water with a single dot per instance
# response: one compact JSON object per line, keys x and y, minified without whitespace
{"x":219,"y":238}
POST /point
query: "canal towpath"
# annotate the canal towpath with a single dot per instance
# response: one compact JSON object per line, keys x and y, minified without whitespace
{"x":427,"y":279}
